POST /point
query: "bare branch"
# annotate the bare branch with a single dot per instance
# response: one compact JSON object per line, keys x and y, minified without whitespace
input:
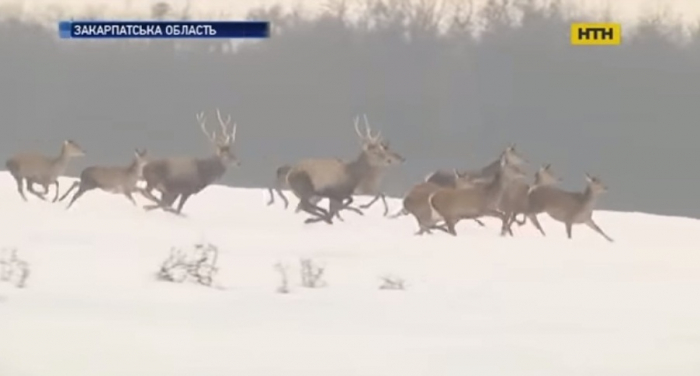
{"x":12,"y":269}
{"x":199,"y":264}
{"x":392,"y":283}
{"x":283,"y":270}
{"x":311,"y":274}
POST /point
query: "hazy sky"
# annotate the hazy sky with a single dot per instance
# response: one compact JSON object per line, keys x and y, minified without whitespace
{"x":626,"y":10}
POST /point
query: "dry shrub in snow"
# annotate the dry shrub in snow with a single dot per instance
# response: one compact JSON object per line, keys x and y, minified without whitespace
{"x":283,"y":270}
{"x":392,"y":283}
{"x":196,"y":264}
{"x":311,"y":274}
{"x":12,"y":269}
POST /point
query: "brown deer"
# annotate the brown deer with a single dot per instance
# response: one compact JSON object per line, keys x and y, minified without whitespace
{"x":370,"y":182}
{"x":186,"y":176}
{"x":447,"y":178}
{"x":335,"y":179}
{"x":36,"y":168}
{"x":453,"y":205}
{"x":113,"y":179}
{"x":515,"y":199}
{"x":415,"y":202}
{"x":567,"y":207}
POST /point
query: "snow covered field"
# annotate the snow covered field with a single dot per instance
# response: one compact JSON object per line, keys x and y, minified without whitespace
{"x":476,"y":304}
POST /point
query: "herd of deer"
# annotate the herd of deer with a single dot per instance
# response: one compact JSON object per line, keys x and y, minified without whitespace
{"x":499,"y":190}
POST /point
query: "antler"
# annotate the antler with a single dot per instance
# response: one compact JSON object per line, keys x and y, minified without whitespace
{"x":368,"y":130}
{"x":367,"y":136}
{"x":227,"y":138}
{"x":202,"y":124}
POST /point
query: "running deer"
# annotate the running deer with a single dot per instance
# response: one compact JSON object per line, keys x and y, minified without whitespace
{"x":335,"y":179}
{"x":186,"y":176}
{"x":416,"y":201}
{"x":453,"y":205}
{"x":568,"y":207}
{"x":113,"y":179}
{"x":36,"y":168}
{"x":447,"y":178}
{"x":370,"y":182}
{"x":515,"y":199}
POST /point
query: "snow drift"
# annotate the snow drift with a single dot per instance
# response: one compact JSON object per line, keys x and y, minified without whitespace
{"x":476,"y":304}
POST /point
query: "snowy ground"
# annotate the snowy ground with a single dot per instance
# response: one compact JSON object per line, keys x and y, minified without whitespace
{"x":477,"y":304}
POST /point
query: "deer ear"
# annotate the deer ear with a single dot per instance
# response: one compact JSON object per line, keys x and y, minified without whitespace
{"x":589,"y":178}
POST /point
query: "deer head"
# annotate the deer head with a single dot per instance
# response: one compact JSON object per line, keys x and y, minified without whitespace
{"x":512,"y":156}
{"x":375,"y":148}
{"x":72,"y":149}
{"x":223,"y":143}
{"x":545,"y":176}
{"x":595,"y":184}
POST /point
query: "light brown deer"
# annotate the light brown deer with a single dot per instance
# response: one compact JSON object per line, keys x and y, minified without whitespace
{"x":445,"y":178}
{"x":515,"y":199}
{"x":370,"y":182}
{"x":186,"y":176}
{"x":415,"y":202}
{"x":335,"y":179}
{"x":36,"y":168}
{"x":567,"y":207}
{"x":453,"y":205}
{"x":113,"y":179}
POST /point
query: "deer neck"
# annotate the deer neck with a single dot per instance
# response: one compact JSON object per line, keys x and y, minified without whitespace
{"x":359,"y":167}
{"x":588,"y":197}
{"x":135,"y":168}
{"x":495,"y":189}
{"x":212,"y":168}
{"x":492,"y":168}
{"x":59,"y":163}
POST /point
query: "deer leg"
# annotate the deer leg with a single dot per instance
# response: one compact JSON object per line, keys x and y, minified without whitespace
{"x":72,"y":187}
{"x":371,"y":202}
{"x":334,"y":207}
{"x":81,"y":191}
{"x":283,"y":197}
{"x":165,"y":203}
{"x":505,"y":224}
{"x":55,"y":196}
{"x":148,"y":193}
{"x":423,"y":230}
{"x":20,"y":187}
{"x":478,"y":221}
{"x":319,"y":214}
{"x":536,"y":222}
{"x":450,"y":226}
{"x":400,"y":213}
{"x":346,"y":206}
{"x":272,"y":197}
{"x":442,"y":228}
{"x":568,"y":225}
{"x":386,"y":206}
{"x":183,"y":199}
{"x":30,"y":188}
{"x":597,"y":229}
{"x":130,"y":197}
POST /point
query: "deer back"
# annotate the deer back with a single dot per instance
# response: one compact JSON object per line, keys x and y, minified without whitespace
{"x":478,"y":195}
{"x":565,"y":205}
{"x":442,"y":178}
{"x":324,"y":173}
